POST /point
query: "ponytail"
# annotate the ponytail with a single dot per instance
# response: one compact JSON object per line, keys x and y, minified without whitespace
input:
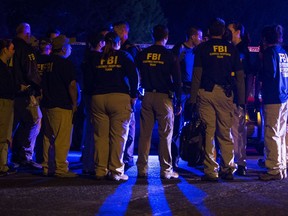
{"x":111,"y":39}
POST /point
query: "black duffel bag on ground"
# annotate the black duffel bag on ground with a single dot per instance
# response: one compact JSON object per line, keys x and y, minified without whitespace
{"x":192,"y":141}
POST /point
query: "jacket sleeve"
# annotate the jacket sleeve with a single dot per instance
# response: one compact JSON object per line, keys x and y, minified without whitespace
{"x":176,"y":75}
{"x":132,"y":75}
{"x":195,"y":85}
{"x":17,"y":67}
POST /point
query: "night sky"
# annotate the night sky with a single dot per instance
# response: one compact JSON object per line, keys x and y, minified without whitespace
{"x":253,"y":14}
{"x":72,"y":16}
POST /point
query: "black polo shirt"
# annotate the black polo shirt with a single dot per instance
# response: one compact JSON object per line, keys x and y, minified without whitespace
{"x":218,"y":59}
{"x":55,"y":83}
{"x":7,"y":83}
{"x":159,"y":70}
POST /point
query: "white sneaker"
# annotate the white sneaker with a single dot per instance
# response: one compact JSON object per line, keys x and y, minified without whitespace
{"x":170,"y":175}
{"x":117,"y":177}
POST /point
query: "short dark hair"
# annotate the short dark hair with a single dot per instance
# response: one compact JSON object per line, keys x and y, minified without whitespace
{"x":160,"y":32}
{"x":121,"y":23}
{"x":217,"y":27}
{"x":238,"y":26}
{"x":272,"y":34}
{"x":5,"y":43}
{"x":193,"y":30}
{"x":243,"y":33}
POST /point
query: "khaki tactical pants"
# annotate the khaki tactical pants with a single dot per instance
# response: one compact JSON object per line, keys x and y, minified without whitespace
{"x":110,"y":117}
{"x":6,"y":124}
{"x":57,"y":135}
{"x":156,"y":107}
{"x":216,"y":111}
{"x":275,"y":139}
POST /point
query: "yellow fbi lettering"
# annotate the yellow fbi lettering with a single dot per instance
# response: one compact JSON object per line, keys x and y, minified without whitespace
{"x":153,"y":56}
{"x":112,"y":60}
{"x":153,"y":59}
{"x":109,"y":64}
{"x":220,"y":49}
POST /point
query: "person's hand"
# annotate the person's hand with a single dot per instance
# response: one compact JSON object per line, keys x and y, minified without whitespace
{"x":74,"y":108}
{"x":133,"y":102}
{"x":241,"y":111}
{"x":178,"y":109}
{"x":242,"y":106}
{"x":24,"y":87}
{"x":39,"y":98}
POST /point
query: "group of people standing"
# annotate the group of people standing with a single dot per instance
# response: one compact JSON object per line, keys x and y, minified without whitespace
{"x":20,"y":91}
{"x":222,"y":80}
{"x":39,"y":90}
{"x":209,"y":77}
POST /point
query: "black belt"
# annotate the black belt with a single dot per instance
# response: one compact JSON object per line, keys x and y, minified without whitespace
{"x":157,"y":91}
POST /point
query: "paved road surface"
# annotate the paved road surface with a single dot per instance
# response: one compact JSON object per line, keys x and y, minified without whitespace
{"x":29,"y":193}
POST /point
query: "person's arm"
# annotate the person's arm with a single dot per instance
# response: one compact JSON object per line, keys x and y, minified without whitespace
{"x":17,"y":70}
{"x":133,"y":77}
{"x":195,"y":85}
{"x":133,"y":50}
{"x":176,"y":75}
{"x":196,"y":76}
{"x":73,"y":94}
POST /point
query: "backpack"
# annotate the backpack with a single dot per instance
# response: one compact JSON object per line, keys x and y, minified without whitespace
{"x":192,"y":137}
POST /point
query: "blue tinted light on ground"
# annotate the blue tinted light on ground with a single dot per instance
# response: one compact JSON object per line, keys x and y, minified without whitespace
{"x":115,"y":206}
{"x":194,"y":195}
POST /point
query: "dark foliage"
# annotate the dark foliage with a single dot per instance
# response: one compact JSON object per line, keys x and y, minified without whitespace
{"x":75,"y":18}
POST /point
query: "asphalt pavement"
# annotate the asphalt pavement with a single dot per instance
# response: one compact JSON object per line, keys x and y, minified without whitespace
{"x":29,"y":193}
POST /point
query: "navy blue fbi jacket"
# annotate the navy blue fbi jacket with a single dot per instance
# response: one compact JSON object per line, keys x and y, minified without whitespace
{"x":275,"y":75}
{"x":25,"y":67}
{"x":159,"y":70}
{"x":218,"y":59}
{"x":110,"y":75}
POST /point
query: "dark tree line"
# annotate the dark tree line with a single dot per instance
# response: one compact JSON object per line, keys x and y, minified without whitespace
{"x":75,"y":18}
